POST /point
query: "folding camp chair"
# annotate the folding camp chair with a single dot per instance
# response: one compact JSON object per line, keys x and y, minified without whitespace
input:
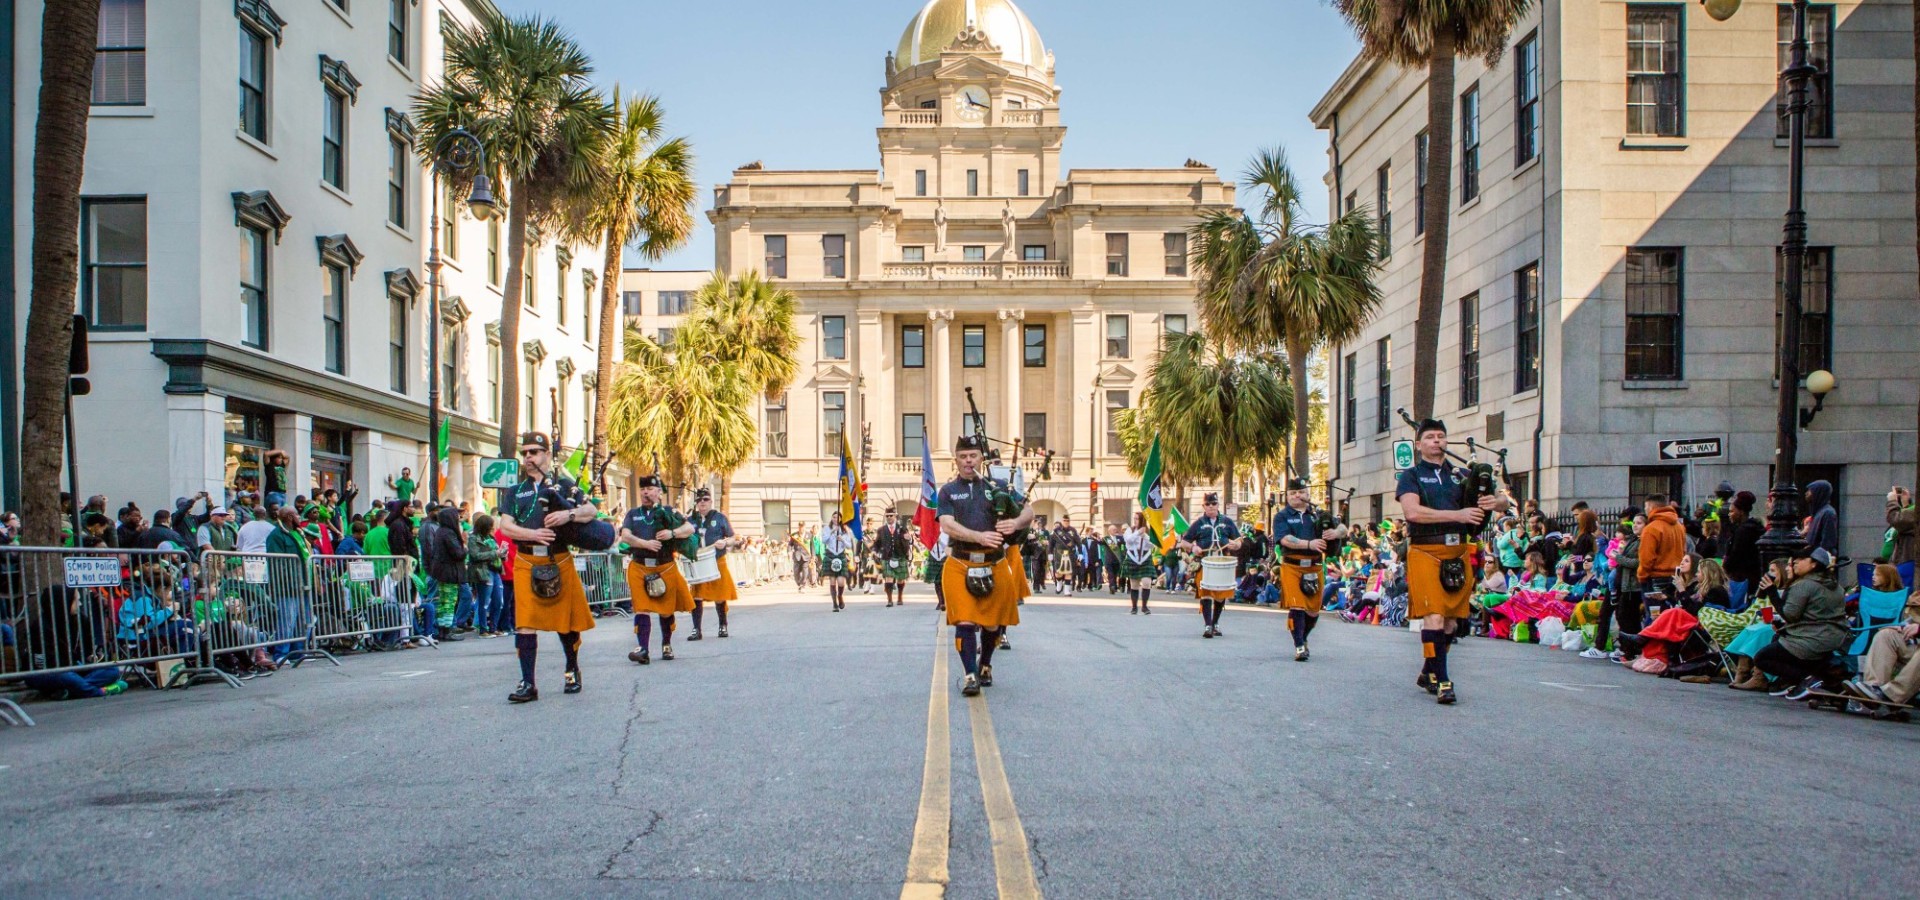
{"x":1878,"y":609}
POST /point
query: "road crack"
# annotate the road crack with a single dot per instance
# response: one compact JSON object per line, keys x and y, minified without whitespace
{"x":613,"y":859}
{"x":1033,"y":846}
{"x":626,"y":739}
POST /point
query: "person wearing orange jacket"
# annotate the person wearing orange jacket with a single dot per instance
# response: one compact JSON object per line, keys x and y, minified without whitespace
{"x":1662,"y":543}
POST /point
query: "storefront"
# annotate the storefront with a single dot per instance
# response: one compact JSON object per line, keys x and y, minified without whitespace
{"x":249,"y":435}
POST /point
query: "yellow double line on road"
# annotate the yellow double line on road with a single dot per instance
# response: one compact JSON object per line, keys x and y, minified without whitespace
{"x":932,"y":830}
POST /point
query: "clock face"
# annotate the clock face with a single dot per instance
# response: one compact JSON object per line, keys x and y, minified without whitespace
{"x":971,"y":103}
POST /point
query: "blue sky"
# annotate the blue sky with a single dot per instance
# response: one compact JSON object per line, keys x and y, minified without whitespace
{"x":1145,"y":82}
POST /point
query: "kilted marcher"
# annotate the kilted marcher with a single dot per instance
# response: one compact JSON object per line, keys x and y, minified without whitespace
{"x":836,"y":560}
{"x":936,"y":566}
{"x":1061,"y":543}
{"x":892,"y":549}
{"x":716,"y":532}
{"x":982,"y":589}
{"x":1302,"y":548}
{"x":1112,"y":549}
{"x":1211,"y":535}
{"x":1139,"y":567}
{"x":547,"y":517}
{"x":652,"y":531}
{"x":1440,"y":547}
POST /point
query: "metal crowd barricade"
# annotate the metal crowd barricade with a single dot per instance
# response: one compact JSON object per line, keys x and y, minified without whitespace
{"x":256,"y":600}
{"x":359,"y":603}
{"x":604,"y":575}
{"x":67,"y":615}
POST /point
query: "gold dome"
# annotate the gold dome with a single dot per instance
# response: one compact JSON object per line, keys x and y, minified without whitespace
{"x":940,"y":21}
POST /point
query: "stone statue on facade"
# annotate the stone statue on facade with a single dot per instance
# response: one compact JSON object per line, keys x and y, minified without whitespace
{"x":940,"y":228}
{"x":1009,"y":227}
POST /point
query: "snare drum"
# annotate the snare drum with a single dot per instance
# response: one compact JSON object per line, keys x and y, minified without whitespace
{"x":1216,"y":573}
{"x":702,"y":568}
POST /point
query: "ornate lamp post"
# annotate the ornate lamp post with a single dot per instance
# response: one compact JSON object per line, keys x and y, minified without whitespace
{"x":457,"y":153}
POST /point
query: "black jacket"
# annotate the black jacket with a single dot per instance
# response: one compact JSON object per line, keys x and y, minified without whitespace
{"x":446,"y":553}
{"x":1743,"y":550}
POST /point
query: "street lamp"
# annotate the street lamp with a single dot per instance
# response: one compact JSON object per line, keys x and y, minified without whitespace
{"x":1783,"y":520}
{"x":456,"y":153}
{"x":1820,"y":383}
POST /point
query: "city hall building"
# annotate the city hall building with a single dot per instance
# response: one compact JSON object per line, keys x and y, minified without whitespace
{"x":1619,"y":183}
{"x":968,"y":260}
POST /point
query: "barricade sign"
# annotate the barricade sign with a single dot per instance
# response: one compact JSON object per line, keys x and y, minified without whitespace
{"x":253,"y":570}
{"x":360,"y":570}
{"x":92,"y":571}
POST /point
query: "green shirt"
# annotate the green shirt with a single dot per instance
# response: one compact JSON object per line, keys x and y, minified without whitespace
{"x":403,"y":488}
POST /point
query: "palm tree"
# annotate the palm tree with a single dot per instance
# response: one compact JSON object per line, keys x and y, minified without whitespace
{"x":685,"y":412}
{"x":1271,"y":280}
{"x":520,"y":85}
{"x":1216,"y":410}
{"x":643,"y":189}
{"x":747,"y":323}
{"x":67,"y":38}
{"x":1412,"y":33}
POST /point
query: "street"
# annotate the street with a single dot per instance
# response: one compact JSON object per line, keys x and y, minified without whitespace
{"x":788,"y":760}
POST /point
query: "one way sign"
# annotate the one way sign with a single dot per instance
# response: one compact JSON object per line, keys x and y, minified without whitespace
{"x":1691,"y":448}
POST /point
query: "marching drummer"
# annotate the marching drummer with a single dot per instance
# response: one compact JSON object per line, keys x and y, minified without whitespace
{"x":1440,"y":547}
{"x":891,"y":549}
{"x":982,"y":590}
{"x":836,"y":560}
{"x":650,"y":531}
{"x":716,"y":532}
{"x":1211,"y":535}
{"x":1302,"y":551}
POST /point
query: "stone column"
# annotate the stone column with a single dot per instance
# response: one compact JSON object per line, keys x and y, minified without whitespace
{"x":369,"y":466}
{"x":1086,"y":365}
{"x":1012,"y":350}
{"x":940,"y":405}
{"x":197,"y":446}
{"x":876,"y":398}
{"x":293,"y":433}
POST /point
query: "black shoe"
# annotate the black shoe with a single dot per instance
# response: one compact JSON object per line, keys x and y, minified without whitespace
{"x":970,"y":686}
{"x":573,"y":682}
{"x":1005,"y":644}
{"x":986,"y":676}
{"x":448,"y":636}
{"x":525,"y":693}
{"x":1144,"y":610}
{"x":940,"y":606}
{"x":1443,"y":693}
{"x":695,"y":635}
{"x":1134,"y":612}
{"x":638,"y":655}
{"x":1300,"y":654}
{"x":666,"y":652}
{"x":723,"y":631}
{"x":1425,"y":682}
{"x":1207,"y":632}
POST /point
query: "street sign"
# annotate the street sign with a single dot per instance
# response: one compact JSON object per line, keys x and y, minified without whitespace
{"x":93,"y":571}
{"x":1403,"y":454}
{"x":1692,"y":448}
{"x":499,"y":473}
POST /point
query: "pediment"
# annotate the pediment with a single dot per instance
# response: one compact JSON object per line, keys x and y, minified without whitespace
{"x":833,"y":374}
{"x":971,"y":67}
{"x":1117,"y":373}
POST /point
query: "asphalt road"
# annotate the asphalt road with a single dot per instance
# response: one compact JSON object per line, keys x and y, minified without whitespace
{"x":790,"y":759}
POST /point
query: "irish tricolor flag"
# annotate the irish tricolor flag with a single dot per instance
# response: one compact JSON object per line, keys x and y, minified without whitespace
{"x":440,"y":449}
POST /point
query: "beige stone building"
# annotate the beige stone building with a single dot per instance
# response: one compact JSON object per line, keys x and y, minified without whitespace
{"x":969,"y":260}
{"x":1619,"y":185}
{"x":656,"y":300}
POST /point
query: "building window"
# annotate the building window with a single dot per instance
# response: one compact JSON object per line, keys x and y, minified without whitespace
{"x":1118,"y":333}
{"x":450,"y":222}
{"x":973,"y":346}
{"x":1349,"y":380}
{"x":1172,"y":323}
{"x":833,"y":255}
{"x":669,"y":303}
{"x":973,"y":182}
{"x":1034,"y":344}
{"x":1470,"y":350}
{"x":1383,"y":208}
{"x":1646,"y":481}
{"x":1117,"y":255}
{"x":777,"y":427}
{"x":1820,"y":56}
{"x":913,"y":254}
{"x":776,"y":256}
{"x":253,"y":83}
{"x":1420,"y":184}
{"x":1526,"y":100}
{"x":1174,"y":243}
{"x":399,"y":162}
{"x":114,"y":263}
{"x":1022,"y":182}
{"x":531,"y":402}
{"x":1470,"y":144}
{"x":333,"y":316}
{"x":333,"y":138}
{"x":560,"y":263}
{"x":1351,"y":203}
{"x":1654,"y":104}
{"x":450,"y":365}
{"x":913,"y":347}
{"x":663,"y":337}
{"x":397,"y":25}
{"x":1816,"y":308}
{"x":973,"y":253}
{"x":560,"y":408}
{"x":529,"y":292}
{"x":1383,"y":376}
{"x":974,"y":424}
{"x":630,"y":303}
{"x":919,"y":182}
{"x":1033,"y":430}
{"x":913,"y":434}
{"x":1526,"y":324}
{"x":493,"y":381}
{"x":1033,"y":253}
{"x":397,"y":343}
{"x":120,"y":54}
{"x":253,"y":286}
{"x":1654,"y":319}
{"x":777,"y":518}
{"x":493,"y":252}
{"x":833,"y":337}
{"x":833,"y":420}
{"x":1116,"y":402}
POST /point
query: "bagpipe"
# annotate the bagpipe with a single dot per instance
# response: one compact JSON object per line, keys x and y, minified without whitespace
{"x":1324,"y":521}
{"x":1481,"y":480}
{"x":1006,"y":483}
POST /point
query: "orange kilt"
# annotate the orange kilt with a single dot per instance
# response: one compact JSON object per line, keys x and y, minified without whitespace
{"x":1001,"y":607}
{"x":1019,"y":571}
{"x":1290,"y":593}
{"x":1425,"y":596}
{"x":678,"y":598}
{"x":567,"y":612}
{"x":719,"y":590}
